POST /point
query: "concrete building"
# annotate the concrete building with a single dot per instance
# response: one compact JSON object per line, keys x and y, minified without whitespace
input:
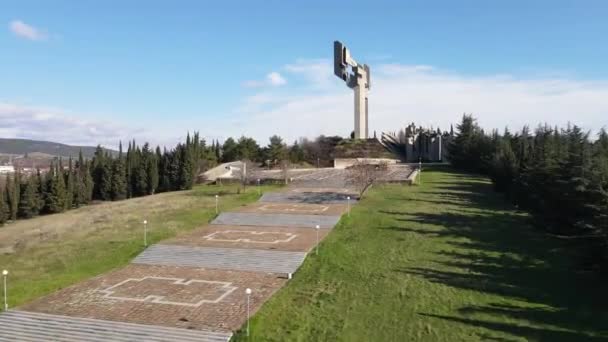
{"x":412,"y":144}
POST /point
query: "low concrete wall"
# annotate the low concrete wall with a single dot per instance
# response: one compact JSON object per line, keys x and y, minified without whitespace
{"x":343,"y":163}
{"x":411,"y":179}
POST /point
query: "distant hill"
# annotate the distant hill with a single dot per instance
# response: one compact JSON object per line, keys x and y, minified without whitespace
{"x":25,"y":146}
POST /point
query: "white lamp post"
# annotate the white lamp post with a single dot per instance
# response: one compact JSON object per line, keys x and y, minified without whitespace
{"x":145,"y":233}
{"x":317,"y":246}
{"x":216,"y":203}
{"x":348,"y":204}
{"x":248,"y":292}
{"x":258,"y":186}
{"x":5,"y":274}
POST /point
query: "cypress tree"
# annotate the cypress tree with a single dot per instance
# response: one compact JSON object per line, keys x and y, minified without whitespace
{"x":105,"y":186}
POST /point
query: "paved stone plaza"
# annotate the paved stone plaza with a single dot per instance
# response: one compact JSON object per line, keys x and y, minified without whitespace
{"x":192,"y":287}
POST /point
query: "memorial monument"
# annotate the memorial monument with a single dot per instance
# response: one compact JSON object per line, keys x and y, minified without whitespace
{"x":358,"y":79}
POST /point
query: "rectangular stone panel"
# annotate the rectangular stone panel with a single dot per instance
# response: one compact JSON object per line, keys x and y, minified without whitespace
{"x":294,"y":208}
{"x":222,"y":258}
{"x":276,"y":220}
{"x":17,"y":325}
{"x":256,"y":237}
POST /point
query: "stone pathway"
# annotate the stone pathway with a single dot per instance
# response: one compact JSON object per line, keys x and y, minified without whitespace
{"x":191,"y":287}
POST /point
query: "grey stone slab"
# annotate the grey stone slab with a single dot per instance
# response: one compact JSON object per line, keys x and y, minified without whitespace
{"x":254,"y":260}
{"x":316,"y":197}
{"x":277,"y":220}
{"x":16,"y":325}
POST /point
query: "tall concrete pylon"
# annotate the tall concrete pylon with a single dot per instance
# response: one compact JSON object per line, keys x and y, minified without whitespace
{"x":359,"y":81}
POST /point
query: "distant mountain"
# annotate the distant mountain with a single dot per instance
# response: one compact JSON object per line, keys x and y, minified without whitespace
{"x":25,"y":146}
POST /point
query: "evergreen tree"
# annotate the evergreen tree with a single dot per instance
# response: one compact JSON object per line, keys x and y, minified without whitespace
{"x":185,"y":178}
{"x":106,"y":180}
{"x":229,"y":151}
{"x":151,"y":167}
{"x":277,"y":151}
{"x":29,"y":200}
{"x":218,"y":151}
{"x":296,"y":153}
{"x":87,"y":181}
{"x":119,"y":179}
{"x":55,"y":193}
{"x":247,"y":149}
{"x":4,"y":211}
{"x":13,"y":187}
{"x":70,"y":186}
{"x":97,"y":172}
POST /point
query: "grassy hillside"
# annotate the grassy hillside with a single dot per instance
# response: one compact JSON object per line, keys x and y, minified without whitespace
{"x":54,"y":251}
{"x":23,"y":146}
{"x":445,"y":261}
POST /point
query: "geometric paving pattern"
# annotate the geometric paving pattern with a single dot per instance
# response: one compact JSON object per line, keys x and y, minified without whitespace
{"x":171,"y":291}
{"x":250,"y":236}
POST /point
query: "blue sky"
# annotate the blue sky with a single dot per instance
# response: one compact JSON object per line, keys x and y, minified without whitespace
{"x":155,"y":69}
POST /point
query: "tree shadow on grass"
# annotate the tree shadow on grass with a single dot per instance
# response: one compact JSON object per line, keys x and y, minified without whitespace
{"x":495,"y":251}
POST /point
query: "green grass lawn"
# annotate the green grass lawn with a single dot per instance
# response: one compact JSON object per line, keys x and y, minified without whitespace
{"x":111,"y":239}
{"x":446,"y":261}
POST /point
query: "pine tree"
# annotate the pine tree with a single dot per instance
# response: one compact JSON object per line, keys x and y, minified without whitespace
{"x":4,"y":212}
{"x":185,"y":178}
{"x":29,"y":199}
{"x":296,"y":153}
{"x":13,"y":185}
{"x":105,"y":186}
{"x":55,"y":193}
{"x":152,"y":170}
{"x":229,"y":151}
{"x":119,"y":180}
{"x":70,"y":186}
{"x":97,"y":172}
{"x":277,"y":150}
{"x":87,"y":180}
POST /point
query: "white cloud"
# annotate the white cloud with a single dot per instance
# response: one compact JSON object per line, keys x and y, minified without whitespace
{"x":273,"y":79}
{"x":424,"y":94}
{"x":39,"y":123}
{"x":318,"y":73}
{"x":23,"y":30}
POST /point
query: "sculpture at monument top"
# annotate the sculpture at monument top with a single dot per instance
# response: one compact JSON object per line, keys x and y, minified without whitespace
{"x":359,"y":81}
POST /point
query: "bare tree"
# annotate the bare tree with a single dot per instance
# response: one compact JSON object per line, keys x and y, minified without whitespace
{"x":362,"y":175}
